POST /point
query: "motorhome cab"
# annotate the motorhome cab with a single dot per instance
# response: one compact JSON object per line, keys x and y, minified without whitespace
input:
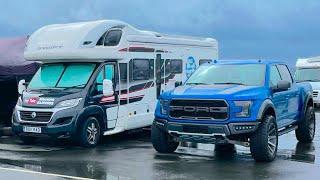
{"x":101,"y":78}
{"x":308,"y":69}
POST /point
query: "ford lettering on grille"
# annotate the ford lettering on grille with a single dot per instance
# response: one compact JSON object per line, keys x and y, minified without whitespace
{"x":199,"y":109}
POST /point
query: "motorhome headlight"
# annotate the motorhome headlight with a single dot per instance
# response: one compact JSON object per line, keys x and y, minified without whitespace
{"x":244,"y":108}
{"x":69,"y":103}
{"x":164,"y":105}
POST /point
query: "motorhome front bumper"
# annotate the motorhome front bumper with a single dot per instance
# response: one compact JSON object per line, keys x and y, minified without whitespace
{"x":44,"y":122}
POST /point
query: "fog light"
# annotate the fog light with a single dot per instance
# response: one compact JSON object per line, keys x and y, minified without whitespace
{"x":244,"y":127}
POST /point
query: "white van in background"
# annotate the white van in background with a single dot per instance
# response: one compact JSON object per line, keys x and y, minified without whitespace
{"x":308,"y":70}
{"x":101,"y":78}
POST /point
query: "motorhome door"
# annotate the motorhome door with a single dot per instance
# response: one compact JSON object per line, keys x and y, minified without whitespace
{"x":109,"y":103}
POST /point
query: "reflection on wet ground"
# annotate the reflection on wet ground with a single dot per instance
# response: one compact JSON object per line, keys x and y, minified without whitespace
{"x":131,"y":156}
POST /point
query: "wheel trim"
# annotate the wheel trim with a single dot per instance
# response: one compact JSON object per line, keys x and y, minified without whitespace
{"x":312,"y":125}
{"x":272,"y":138}
{"x":92,"y":132}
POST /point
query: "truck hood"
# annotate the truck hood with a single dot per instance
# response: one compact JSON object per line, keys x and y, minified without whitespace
{"x":47,"y":98}
{"x":315,"y":85}
{"x":231,"y":92}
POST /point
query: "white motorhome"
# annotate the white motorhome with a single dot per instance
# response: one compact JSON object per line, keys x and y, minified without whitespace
{"x":308,"y":70}
{"x":101,"y":78}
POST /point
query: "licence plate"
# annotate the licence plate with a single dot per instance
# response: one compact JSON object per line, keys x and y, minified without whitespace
{"x":32,"y":129}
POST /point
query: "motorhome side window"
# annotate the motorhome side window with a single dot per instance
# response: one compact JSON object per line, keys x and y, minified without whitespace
{"x":176,"y":66}
{"x":107,"y":72}
{"x":123,"y":71}
{"x":204,"y":61}
{"x":110,"y":38}
{"x":140,"y":69}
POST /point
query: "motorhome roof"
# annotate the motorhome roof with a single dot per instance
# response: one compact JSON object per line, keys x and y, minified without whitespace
{"x":308,"y":62}
{"x":79,"y":40}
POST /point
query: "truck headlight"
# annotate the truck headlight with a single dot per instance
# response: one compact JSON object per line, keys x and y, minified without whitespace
{"x":164,"y":105}
{"x":244,"y":108}
{"x":68,"y":103}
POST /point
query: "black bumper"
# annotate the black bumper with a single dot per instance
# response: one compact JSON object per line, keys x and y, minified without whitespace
{"x":207,"y":130}
{"x":65,"y":131}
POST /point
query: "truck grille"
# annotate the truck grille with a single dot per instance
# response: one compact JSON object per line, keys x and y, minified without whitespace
{"x":315,"y":94}
{"x":199,"y":109}
{"x":32,"y":116}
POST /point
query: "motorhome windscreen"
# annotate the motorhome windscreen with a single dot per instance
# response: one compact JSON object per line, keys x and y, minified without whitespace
{"x":242,"y":74}
{"x":308,"y":74}
{"x":62,"y":75}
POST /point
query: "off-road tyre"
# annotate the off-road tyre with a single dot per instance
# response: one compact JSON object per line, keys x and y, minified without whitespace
{"x":306,"y":128}
{"x":162,"y":141}
{"x":264,"y":142}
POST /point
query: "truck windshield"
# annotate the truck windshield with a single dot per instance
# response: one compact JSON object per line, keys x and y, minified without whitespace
{"x":62,"y":75}
{"x":308,"y":74}
{"x":242,"y":74}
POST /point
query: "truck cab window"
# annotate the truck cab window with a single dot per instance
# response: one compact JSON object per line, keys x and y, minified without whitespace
{"x":274,"y":76}
{"x":284,"y":72}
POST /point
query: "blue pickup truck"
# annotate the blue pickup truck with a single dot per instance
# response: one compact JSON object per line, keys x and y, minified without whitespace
{"x":248,"y":103}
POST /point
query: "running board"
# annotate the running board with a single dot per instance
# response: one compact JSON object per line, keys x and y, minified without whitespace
{"x":287,"y":129}
{"x":113,"y":131}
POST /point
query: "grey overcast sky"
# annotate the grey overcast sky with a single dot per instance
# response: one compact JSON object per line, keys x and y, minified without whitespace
{"x":272,"y":29}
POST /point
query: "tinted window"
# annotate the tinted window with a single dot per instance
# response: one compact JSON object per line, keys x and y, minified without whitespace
{"x":123,"y":71}
{"x":274,"y":76}
{"x":112,"y":38}
{"x":176,"y":66}
{"x":204,"y":61}
{"x":284,"y":72}
{"x":140,"y":69}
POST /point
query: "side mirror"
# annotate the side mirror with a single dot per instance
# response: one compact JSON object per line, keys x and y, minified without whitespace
{"x":282,"y":85}
{"x":21,"y":86}
{"x":177,"y":83}
{"x":107,"y":87}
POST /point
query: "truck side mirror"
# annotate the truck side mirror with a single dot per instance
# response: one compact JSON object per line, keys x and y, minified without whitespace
{"x":282,"y":85}
{"x":21,"y":86}
{"x":107,"y":87}
{"x":177,"y":83}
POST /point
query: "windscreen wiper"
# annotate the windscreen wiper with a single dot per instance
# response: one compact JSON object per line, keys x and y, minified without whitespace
{"x":197,"y":84}
{"x":75,"y":86}
{"x":231,"y":83}
{"x":309,"y":80}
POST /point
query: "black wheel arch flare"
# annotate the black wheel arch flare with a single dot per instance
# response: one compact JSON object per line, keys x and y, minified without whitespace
{"x":95,"y":111}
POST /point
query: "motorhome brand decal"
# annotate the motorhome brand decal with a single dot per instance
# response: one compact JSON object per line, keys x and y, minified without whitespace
{"x":40,"y":101}
{"x":190,"y":66}
{"x":32,"y":100}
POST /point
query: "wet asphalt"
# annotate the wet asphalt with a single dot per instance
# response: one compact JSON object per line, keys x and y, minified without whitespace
{"x":131,"y":156}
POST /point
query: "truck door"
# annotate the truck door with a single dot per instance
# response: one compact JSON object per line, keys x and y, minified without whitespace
{"x":111,"y":103}
{"x":279,"y":98}
{"x":292,"y":94}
